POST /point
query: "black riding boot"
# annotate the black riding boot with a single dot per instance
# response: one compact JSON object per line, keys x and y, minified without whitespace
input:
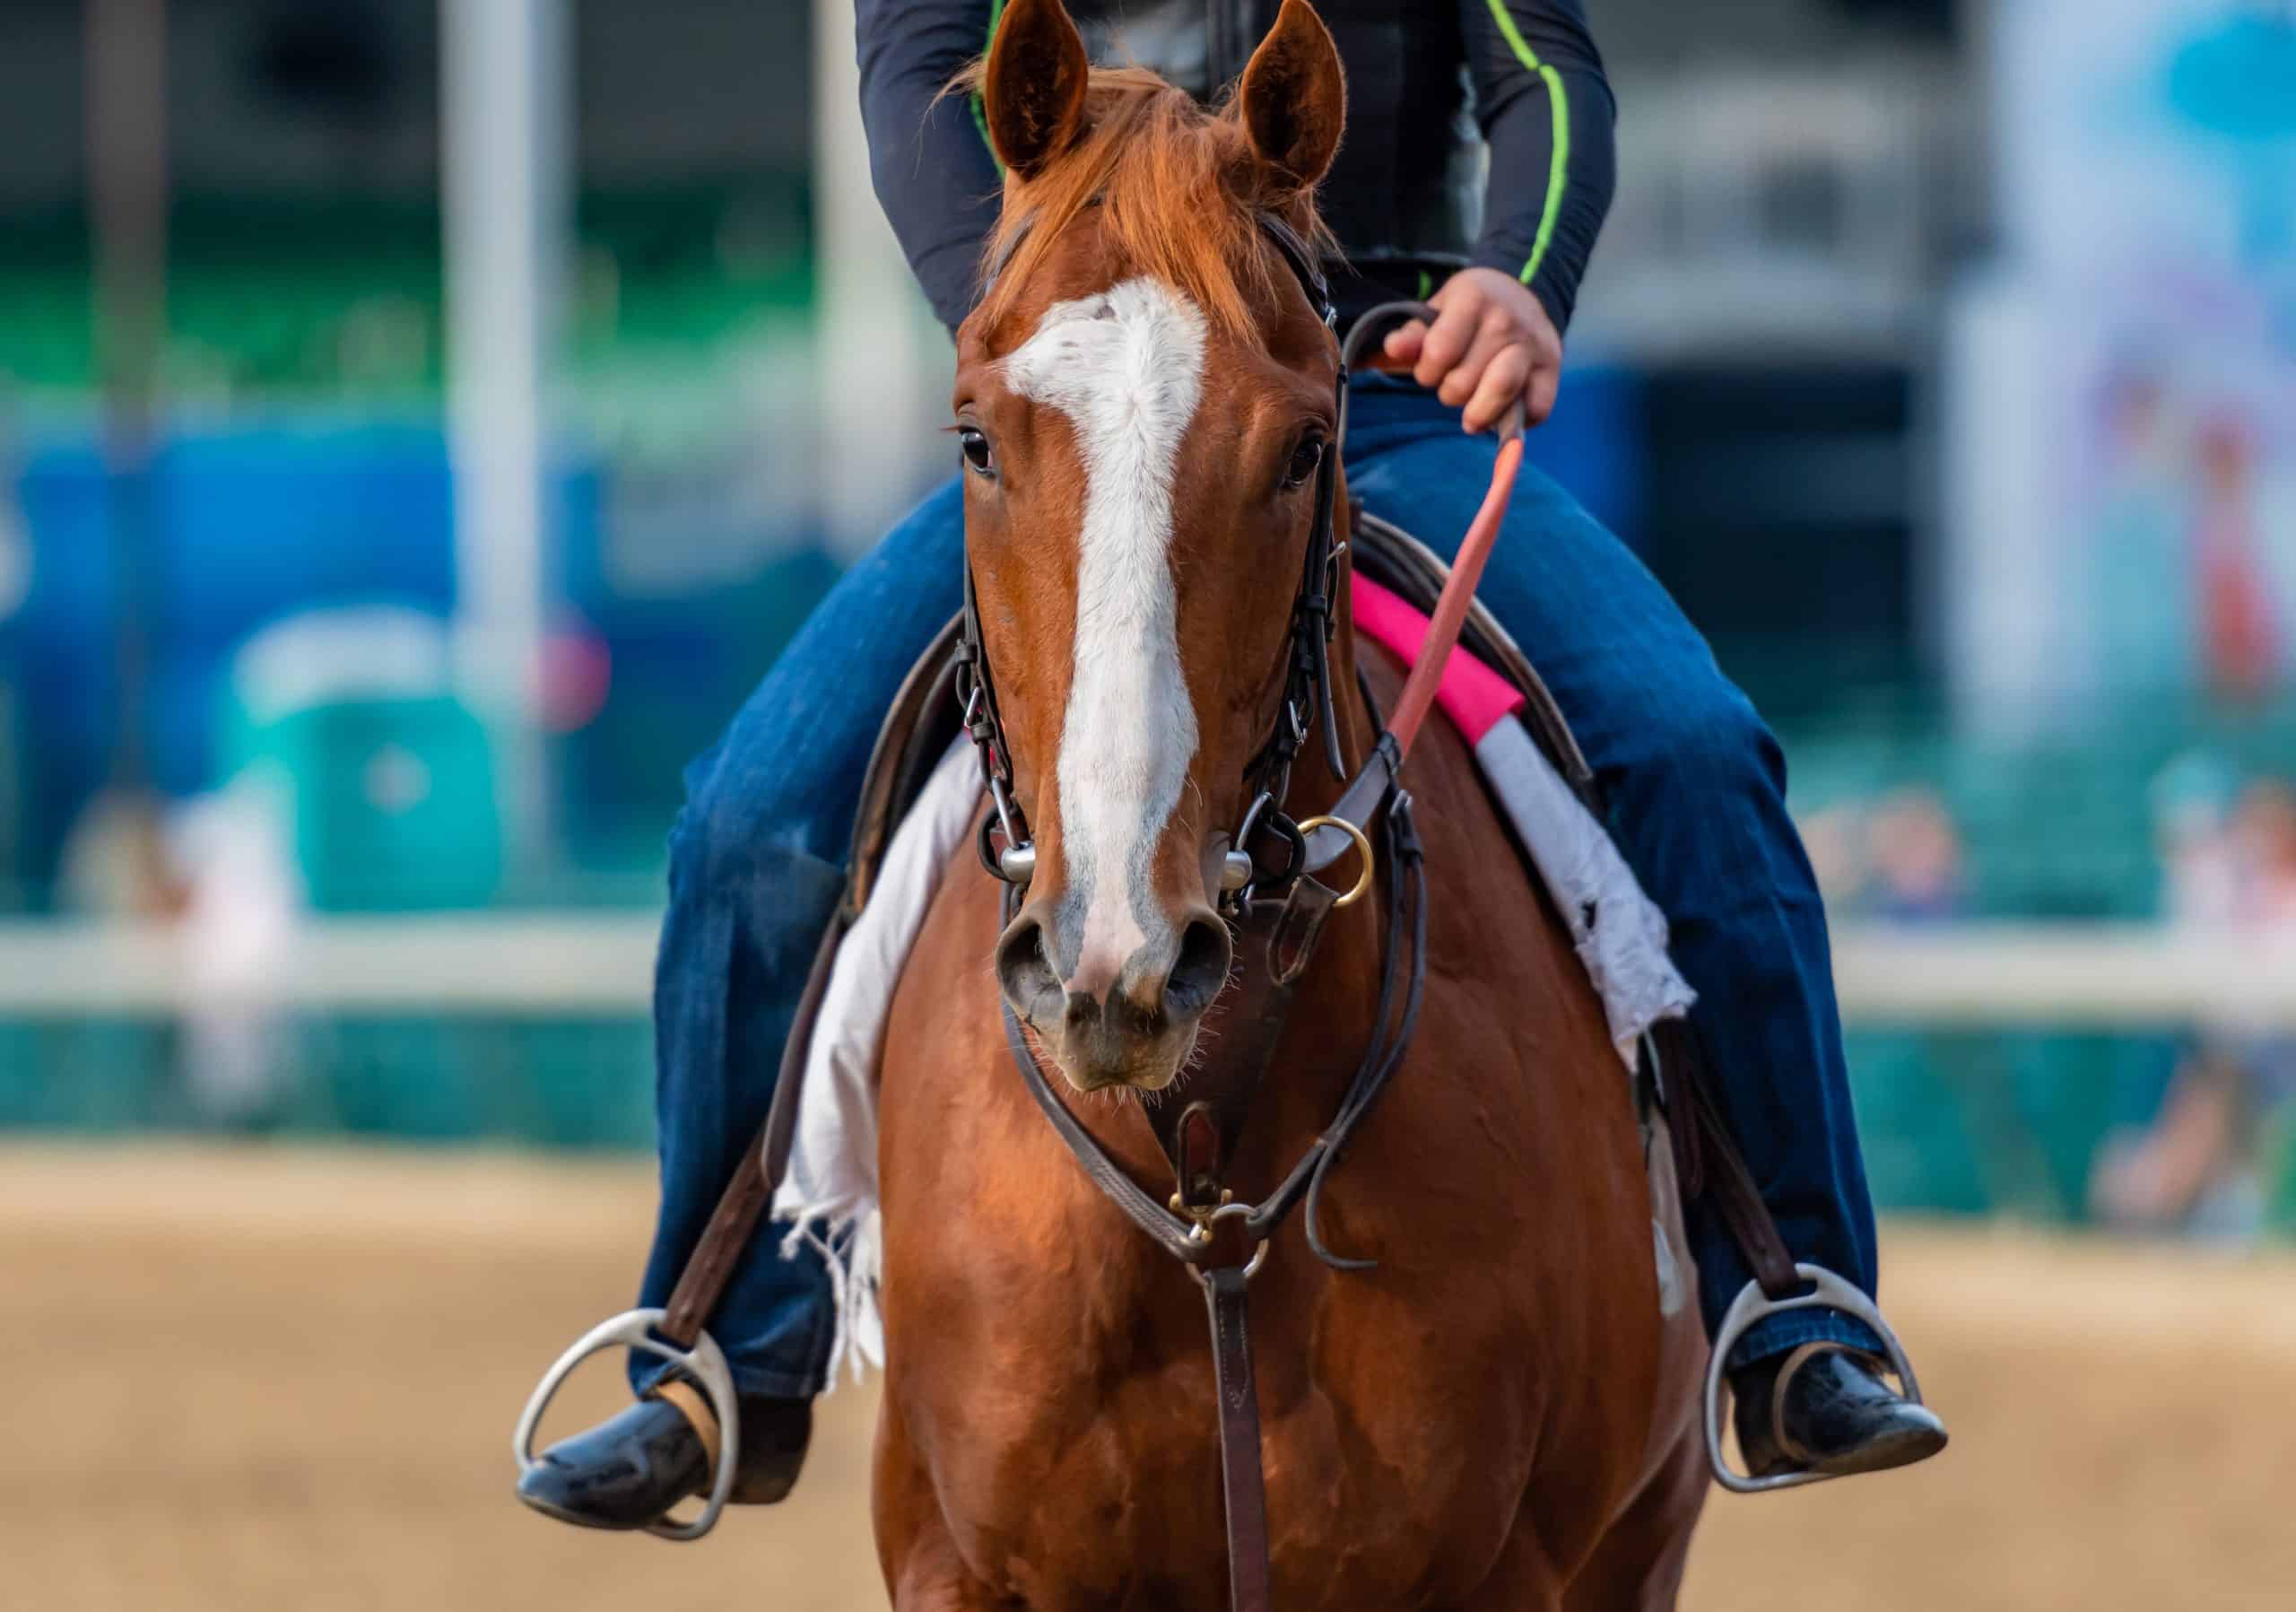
{"x":1824,"y":1408}
{"x":630,"y":1469}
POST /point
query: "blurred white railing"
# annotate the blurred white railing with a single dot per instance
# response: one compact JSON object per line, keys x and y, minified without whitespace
{"x":2069,"y":975}
{"x":601,"y":964}
{"x":512,"y":964}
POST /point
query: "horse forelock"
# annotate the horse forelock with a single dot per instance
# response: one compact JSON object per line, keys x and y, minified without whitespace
{"x":1176,"y":192}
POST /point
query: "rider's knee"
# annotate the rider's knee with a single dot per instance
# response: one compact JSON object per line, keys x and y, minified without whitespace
{"x":727,"y":857}
{"x":1711,"y":745}
{"x":698,"y":849}
{"x":725,"y":833}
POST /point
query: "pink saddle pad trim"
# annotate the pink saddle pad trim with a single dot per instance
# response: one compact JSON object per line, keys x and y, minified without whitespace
{"x":1474,"y":697}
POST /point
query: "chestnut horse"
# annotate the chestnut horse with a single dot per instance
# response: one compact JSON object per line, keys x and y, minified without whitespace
{"x":1497,"y":1416}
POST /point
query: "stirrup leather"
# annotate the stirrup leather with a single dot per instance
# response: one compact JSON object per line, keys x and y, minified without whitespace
{"x":705,"y":1364}
{"x":1753,"y":1306}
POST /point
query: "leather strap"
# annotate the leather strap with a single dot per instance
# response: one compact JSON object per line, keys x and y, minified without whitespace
{"x":1199,"y":1137}
{"x":909,"y":746}
{"x":1445,"y":624}
{"x":1361,"y":799}
{"x":1720,"y":1174}
{"x":909,"y":743}
{"x":897,"y":765}
{"x":1170,"y":1232}
{"x":1793,"y":1449}
{"x":690,"y":1404}
{"x":1406,"y":900}
{"x":1227,"y":1297}
{"x":757,"y":1173}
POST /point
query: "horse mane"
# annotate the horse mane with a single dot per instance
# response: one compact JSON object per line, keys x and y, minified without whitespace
{"x":1178,"y":189}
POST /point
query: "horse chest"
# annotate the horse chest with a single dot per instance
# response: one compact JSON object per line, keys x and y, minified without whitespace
{"x":1070,"y":1441}
{"x":1050,"y":1437}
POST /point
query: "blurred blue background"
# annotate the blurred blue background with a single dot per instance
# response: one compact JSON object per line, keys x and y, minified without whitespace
{"x":1938,"y":356}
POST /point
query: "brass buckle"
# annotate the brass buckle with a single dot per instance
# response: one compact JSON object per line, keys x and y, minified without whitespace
{"x":1203,"y":1217}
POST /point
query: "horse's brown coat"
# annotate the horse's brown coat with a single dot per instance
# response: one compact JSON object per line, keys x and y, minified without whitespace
{"x":1497,"y":1416}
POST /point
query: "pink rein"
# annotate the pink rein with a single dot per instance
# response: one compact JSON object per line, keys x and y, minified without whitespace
{"x":1442,"y":636}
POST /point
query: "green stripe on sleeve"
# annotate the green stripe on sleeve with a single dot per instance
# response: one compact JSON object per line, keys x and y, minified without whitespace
{"x":980,"y":112}
{"x":1559,"y":104}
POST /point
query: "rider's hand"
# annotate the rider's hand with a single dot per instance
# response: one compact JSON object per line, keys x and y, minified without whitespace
{"x":1491,"y":343}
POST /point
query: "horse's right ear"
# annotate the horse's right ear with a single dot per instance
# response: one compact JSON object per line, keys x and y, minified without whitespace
{"x":1295,"y":98}
{"x":1033,"y":92}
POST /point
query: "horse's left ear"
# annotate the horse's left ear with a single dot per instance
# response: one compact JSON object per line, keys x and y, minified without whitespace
{"x":1032,"y":92}
{"x":1295,"y":98}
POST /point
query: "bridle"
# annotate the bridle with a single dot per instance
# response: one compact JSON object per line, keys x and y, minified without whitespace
{"x":1279,"y":909}
{"x":1250,"y":871}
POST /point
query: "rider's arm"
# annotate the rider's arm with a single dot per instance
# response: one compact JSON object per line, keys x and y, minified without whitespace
{"x":1546,"y":112}
{"x":928,"y":152}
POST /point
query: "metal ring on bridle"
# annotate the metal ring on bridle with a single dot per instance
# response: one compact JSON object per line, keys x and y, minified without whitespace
{"x":1362,"y":848}
{"x":1201,"y":1233}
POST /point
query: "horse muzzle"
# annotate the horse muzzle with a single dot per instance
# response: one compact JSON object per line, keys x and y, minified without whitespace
{"x":1110,"y":1022}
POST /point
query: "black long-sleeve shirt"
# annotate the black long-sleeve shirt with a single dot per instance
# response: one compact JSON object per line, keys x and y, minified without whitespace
{"x":1402,"y":197}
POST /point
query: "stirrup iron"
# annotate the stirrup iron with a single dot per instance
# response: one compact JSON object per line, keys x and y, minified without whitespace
{"x":1752,"y":1306}
{"x":705,"y":1363}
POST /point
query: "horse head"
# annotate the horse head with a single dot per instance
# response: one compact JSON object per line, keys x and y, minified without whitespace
{"x":1144,"y":400}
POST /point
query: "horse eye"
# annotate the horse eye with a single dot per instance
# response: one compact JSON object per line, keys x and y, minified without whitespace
{"x":975,"y":447}
{"x":1305,"y":458}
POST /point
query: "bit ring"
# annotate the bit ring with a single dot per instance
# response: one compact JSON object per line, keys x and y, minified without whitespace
{"x":1363,"y":845}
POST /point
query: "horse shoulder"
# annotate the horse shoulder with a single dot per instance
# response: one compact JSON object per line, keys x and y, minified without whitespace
{"x":1513,"y":1076}
{"x":1502,"y":1175}
{"x":1633,"y":1400}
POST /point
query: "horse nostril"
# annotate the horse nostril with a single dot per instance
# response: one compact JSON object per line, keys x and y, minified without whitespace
{"x":1026,"y":974}
{"x":1201,"y":969}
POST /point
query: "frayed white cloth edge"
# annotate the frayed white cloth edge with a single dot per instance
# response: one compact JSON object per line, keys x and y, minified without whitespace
{"x":828,"y":1196}
{"x":828,"y":1201}
{"x":1618,"y":931}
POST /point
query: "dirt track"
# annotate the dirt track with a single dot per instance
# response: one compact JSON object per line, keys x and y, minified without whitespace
{"x":240,"y":1380}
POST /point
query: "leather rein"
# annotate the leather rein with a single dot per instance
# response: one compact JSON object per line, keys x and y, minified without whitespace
{"x":1280,"y":909}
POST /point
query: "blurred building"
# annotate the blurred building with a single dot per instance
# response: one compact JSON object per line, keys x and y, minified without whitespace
{"x":301,"y":462}
{"x":1872,"y":367}
{"x":1756,"y":356}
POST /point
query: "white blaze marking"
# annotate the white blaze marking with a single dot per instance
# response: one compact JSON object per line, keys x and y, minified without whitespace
{"x":1125,"y":367}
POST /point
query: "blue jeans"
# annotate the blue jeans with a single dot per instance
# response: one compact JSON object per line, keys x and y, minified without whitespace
{"x":1696,"y":787}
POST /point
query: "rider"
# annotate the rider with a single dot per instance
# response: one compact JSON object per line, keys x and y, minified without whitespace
{"x":1695,"y":781}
